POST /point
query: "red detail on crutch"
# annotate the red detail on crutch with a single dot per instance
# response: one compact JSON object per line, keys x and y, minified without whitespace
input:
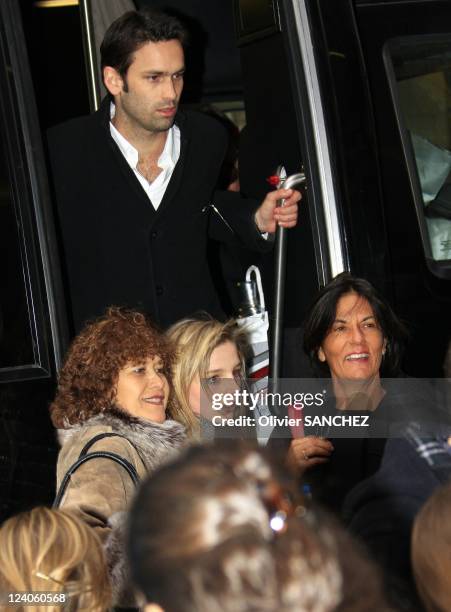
{"x":273,"y":180}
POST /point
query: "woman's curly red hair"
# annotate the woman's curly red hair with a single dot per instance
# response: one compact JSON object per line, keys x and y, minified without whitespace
{"x":87,"y":380}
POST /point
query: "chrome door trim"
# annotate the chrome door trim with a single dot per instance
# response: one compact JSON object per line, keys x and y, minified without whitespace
{"x":335,"y":244}
{"x":90,"y":54}
{"x":27,"y":127}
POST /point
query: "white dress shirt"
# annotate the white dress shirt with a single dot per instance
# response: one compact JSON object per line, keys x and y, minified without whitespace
{"x":167,"y":161}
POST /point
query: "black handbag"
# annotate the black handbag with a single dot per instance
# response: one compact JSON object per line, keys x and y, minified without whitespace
{"x":85,"y":456}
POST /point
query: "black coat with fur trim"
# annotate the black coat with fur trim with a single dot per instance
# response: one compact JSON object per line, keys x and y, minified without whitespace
{"x":117,"y":248}
{"x":101,"y":490}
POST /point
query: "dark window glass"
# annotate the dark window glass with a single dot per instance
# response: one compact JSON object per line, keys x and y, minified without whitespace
{"x":16,"y":346}
{"x":420,"y":70}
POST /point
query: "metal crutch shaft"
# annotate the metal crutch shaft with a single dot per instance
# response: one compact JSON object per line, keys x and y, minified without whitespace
{"x":279,"y":287}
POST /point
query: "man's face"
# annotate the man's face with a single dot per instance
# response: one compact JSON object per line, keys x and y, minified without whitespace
{"x":148,"y":97}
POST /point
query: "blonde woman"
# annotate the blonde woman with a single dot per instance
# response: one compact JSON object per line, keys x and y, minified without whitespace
{"x":53,"y":553}
{"x":207,"y":352}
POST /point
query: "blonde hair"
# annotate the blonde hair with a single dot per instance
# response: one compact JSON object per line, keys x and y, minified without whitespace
{"x":54,"y":551}
{"x":431,"y":551}
{"x":194,"y":341}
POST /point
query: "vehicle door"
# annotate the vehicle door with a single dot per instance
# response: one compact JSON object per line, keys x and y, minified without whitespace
{"x":32,"y":312}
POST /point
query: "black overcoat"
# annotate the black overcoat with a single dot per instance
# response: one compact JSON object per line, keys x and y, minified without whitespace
{"x":116,"y":248}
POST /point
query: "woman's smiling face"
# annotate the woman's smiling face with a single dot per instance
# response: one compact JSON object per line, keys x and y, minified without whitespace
{"x":143,"y":390}
{"x":354,"y":345}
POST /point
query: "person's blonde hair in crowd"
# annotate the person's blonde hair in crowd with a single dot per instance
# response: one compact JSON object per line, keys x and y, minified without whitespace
{"x":431,"y":551}
{"x":194,"y":341}
{"x":53,"y":551}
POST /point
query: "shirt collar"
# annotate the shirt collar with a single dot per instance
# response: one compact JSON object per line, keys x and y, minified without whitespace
{"x":168,"y":157}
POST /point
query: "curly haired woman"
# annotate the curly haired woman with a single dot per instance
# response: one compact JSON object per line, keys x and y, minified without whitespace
{"x":114,"y":381}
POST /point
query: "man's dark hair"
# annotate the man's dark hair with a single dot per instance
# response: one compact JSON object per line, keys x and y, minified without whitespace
{"x":133,"y":30}
{"x":322,"y":315}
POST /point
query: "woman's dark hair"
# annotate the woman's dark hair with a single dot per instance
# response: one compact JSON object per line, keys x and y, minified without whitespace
{"x":203,"y":537}
{"x":87,"y":381}
{"x":322,"y":315}
{"x":133,"y":30}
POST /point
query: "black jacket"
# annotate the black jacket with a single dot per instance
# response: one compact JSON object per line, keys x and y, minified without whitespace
{"x":381,"y":510}
{"x":117,"y":248}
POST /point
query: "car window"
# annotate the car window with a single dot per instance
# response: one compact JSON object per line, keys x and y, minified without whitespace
{"x":16,"y":347}
{"x":420,"y":73}
{"x":25,"y":238}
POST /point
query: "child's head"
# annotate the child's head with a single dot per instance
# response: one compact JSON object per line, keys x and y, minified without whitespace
{"x":54,"y":551}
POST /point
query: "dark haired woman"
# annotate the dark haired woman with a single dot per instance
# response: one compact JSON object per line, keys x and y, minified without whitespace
{"x":114,"y":381}
{"x":352,"y":337}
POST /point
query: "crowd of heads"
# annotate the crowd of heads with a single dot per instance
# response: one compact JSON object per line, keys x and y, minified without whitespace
{"x":221,"y":527}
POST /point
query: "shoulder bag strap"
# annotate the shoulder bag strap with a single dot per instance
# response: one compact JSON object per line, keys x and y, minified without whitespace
{"x":130,"y":469}
{"x":98,"y":437}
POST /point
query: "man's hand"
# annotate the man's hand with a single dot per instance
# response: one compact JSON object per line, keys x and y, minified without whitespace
{"x":268,"y":216}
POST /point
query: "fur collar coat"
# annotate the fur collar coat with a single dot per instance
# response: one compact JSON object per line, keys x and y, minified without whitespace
{"x":101,"y":490}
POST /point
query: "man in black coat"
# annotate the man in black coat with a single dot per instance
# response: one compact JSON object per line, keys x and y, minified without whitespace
{"x":135,"y":185}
